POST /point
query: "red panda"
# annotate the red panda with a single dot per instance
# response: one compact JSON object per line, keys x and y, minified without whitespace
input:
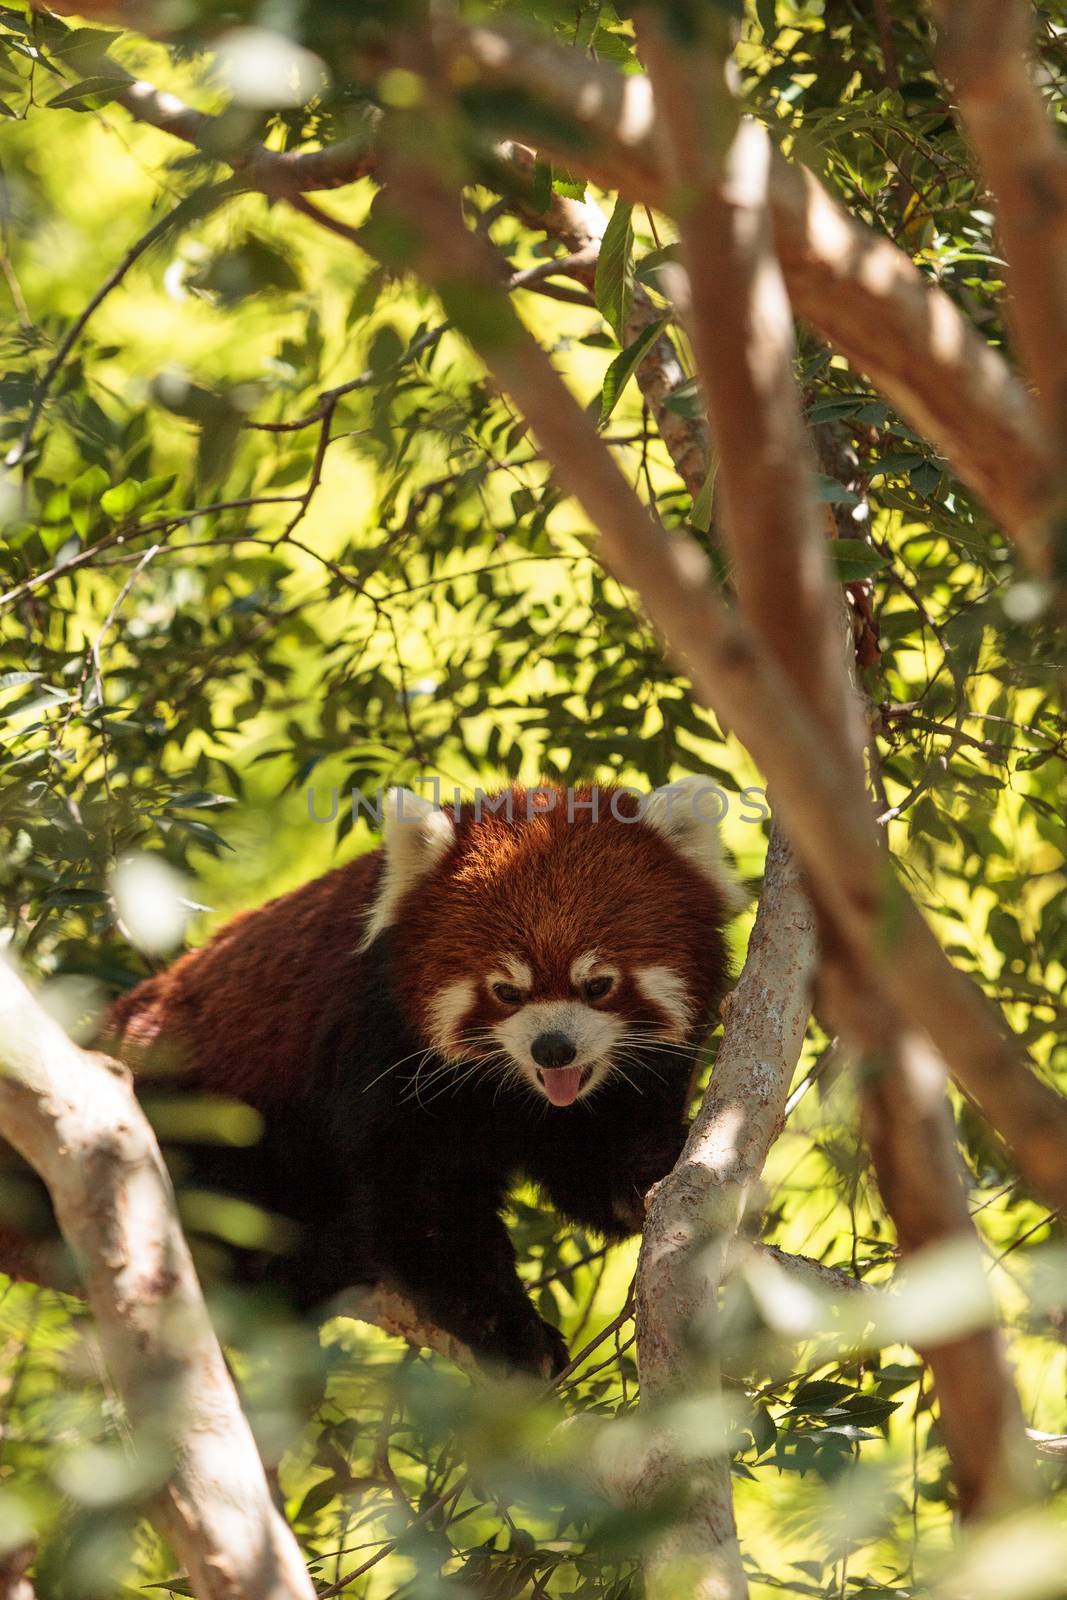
{"x":517,"y":987}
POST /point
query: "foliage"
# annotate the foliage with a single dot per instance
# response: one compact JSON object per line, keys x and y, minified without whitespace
{"x":226,"y":581}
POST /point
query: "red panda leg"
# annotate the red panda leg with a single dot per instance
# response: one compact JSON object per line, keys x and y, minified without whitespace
{"x":438,"y":1238}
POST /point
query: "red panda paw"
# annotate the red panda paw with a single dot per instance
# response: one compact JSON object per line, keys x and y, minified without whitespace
{"x":525,"y":1343}
{"x":556,"y":1354}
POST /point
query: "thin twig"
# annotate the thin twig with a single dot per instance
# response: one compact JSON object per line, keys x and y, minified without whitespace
{"x":20,"y":449}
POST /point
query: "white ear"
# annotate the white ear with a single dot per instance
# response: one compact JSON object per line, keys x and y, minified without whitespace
{"x":417,"y":836}
{"x":686,"y":813}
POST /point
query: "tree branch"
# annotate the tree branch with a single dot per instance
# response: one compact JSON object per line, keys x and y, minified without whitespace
{"x":909,"y":1129}
{"x":278,"y":173}
{"x":704,"y":1199}
{"x":73,"y":1116}
{"x":742,"y":331}
{"x":743,"y":339}
{"x":984,"y":51}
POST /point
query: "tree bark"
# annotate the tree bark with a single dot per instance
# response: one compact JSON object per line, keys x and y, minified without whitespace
{"x":908,"y":1126}
{"x":984,"y":49}
{"x":73,"y":1116}
{"x":696,"y":1212}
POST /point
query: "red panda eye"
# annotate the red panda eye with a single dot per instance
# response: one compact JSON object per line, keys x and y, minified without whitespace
{"x":597,"y":988}
{"x":508,"y":993}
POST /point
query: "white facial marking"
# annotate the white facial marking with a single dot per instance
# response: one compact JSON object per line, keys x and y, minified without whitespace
{"x":417,"y":836}
{"x":666,"y":989}
{"x":518,"y":972}
{"x":595,"y":1035}
{"x":445,"y":1012}
{"x":583,"y":967}
{"x":687,"y":814}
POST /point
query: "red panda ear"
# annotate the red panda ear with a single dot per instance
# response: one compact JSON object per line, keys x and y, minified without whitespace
{"x":687,"y":815}
{"x":417,"y":836}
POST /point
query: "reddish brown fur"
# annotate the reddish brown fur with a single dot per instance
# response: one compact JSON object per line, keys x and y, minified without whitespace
{"x":285,"y":1010}
{"x":244,"y":1006}
{"x":548,"y":890}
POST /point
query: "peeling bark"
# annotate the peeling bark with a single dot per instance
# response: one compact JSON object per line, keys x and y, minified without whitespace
{"x":702,"y":1203}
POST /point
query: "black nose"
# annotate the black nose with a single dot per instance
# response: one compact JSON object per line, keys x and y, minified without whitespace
{"x":553,"y":1050}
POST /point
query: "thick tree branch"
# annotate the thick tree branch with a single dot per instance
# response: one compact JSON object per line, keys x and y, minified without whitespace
{"x":984,"y":52}
{"x":73,"y":1116}
{"x":704,"y":1199}
{"x":909,"y":1128}
{"x":743,"y":338}
{"x":742,"y":333}
{"x":742,"y":330}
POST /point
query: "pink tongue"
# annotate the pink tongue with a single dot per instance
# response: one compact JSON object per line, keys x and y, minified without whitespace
{"x":562,"y":1084}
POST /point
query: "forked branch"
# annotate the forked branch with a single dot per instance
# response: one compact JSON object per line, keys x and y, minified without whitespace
{"x":853,"y":285}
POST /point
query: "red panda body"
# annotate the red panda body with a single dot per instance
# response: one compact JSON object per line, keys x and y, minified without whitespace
{"x":496,"y":992}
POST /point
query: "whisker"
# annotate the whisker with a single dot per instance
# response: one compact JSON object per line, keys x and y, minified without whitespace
{"x":423,"y":1053}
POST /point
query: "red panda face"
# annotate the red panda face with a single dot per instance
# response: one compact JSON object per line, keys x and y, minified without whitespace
{"x":551,"y":950}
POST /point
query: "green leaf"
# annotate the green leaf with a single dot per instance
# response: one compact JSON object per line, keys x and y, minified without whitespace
{"x":85,"y":493}
{"x":766,"y":16}
{"x":925,"y":479}
{"x":830,"y":410}
{"x":700,"y":516}
{"x":764,"y":1431}
{"x":613,"y":287}
{"x":75,"y":96}
{"x":624,"y":366}
{"x":685,"y":400}
{"x":570,"y":187}
{"x":853,"y":560}
{"x":896,"y":462}
{"x":122,"y":499}
{"x":93,"y":42}
{"x":822,"y":1395}
{"x":650,"y":267}
{"x":252,"y":266}
{"x":386,"y":349}
{"x":832,"y":493}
